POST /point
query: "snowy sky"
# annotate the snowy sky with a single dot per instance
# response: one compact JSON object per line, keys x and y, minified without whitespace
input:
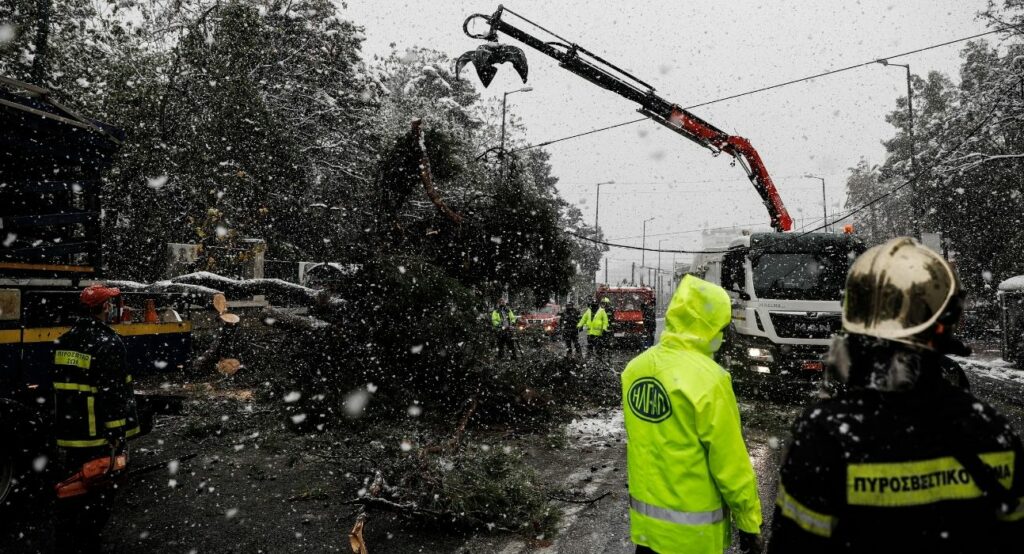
{"x":692,"y":52}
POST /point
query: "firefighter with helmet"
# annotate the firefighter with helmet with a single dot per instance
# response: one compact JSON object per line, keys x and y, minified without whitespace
{"x":896,"y":458}
{"x":94,"y":414}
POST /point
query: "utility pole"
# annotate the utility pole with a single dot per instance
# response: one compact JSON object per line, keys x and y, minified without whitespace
{"x":632,"y":273}
{"x":915,"y":204}
{"x":597,"y":207}
{"x":597,"y":203}
{"x":658,"y":290}
{"x":643,"y":246}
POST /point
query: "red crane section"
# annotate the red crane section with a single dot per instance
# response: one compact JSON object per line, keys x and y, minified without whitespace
{"x":598,"y":71}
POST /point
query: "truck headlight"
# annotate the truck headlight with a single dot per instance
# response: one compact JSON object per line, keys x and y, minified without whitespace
{"x":762,"y":369}
{"x":760,"y":354}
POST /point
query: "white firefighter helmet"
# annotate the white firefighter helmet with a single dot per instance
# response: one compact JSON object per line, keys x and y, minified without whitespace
{"x":901,"y":291}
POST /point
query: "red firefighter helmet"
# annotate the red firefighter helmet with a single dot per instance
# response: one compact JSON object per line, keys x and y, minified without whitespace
{"x":95,"y":295}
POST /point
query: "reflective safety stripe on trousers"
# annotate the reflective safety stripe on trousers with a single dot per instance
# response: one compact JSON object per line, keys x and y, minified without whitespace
{"x":673,"y":516}
{"x":809,"y":520}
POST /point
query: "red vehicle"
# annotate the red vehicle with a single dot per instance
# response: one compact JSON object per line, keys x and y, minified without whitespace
{"x":546,"y":319}
{"x":626,"y":320}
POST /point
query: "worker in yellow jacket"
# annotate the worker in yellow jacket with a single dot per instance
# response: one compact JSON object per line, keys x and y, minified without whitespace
{"x":689,"y":471}
{"x":595,"y":321}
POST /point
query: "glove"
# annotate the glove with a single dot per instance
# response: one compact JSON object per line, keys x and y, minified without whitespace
{"x":750,"y":543}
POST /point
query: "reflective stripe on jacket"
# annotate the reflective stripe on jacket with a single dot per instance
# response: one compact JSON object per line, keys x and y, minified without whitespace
{"x":880,"y":471}
{"x":93,"y":394}
{"x":688,"y":466}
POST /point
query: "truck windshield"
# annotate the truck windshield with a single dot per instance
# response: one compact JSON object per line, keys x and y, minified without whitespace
{"x":628,"y":301}
{"x":800,"y":276}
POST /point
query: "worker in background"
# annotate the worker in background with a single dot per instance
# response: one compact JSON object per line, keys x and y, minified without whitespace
{"x":585,"y":320}
{"x":650,"y":323}
{"x":570,"y":332}
{"x":599,"y":325}
{"x":94,"y":414}
{"x":504,"y":320}
{"x":690,"y":477}
{"x":898,"y":459}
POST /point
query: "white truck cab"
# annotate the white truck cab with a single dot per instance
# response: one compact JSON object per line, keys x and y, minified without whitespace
{"x":787,"y":291}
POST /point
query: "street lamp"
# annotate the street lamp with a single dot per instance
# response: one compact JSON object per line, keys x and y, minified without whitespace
{"x":824,"y":204}
{"x":643,"y":248}
{"x":597,"y":207}
{"x":597,"y":204}
{"x":659,"y":292}
{"x":504,"y":101}
{"x":910,"y":127}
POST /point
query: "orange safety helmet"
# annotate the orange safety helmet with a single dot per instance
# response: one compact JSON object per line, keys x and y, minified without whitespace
{"x":95,"y":295}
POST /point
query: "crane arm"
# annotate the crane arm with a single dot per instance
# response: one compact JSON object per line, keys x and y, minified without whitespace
{"x":600,"y":72}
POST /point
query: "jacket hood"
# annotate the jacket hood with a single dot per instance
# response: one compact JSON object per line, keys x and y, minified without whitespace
{"x":696,"y":316}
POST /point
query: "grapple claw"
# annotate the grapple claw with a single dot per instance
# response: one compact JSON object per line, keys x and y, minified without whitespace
{"x":486,"y":56}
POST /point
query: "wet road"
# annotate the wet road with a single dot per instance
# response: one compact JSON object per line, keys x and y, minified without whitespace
{"x":594,"y":463}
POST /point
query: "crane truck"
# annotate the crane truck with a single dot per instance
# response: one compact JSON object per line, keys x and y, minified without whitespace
{"x":786,"y":287}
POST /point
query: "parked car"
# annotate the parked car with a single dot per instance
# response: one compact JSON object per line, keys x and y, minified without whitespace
{"x":545,"y":319}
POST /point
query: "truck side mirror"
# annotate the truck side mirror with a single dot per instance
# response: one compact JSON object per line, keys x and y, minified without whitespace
{"x":743,"y":294}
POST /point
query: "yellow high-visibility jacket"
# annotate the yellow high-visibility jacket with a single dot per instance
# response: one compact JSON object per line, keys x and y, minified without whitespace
{"x":496,"y":318}
{"x":689,"y":470}
{"x":596,"y":323}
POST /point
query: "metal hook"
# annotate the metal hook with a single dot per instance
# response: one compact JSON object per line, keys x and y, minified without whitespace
{"x":490,"y":35}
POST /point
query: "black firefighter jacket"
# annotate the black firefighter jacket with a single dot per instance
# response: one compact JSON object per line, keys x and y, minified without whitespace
{"x":877,"y":471}
{"x":93,"y":394}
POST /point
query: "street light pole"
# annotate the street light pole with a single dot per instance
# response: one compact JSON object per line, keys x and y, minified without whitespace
{"x":597,"y":207}
{"x":910,"y":133}
{"x":643,"y":249}
{"x":504,"y":102}
{"x":824,"y":202}
{"x":597,"y":203}
{"x":659,"y":291}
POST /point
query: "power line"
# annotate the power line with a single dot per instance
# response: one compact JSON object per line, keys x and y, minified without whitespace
{"x":778,"y":85}
{"x":850,"y":213}
{"x":848,"y":68}
{"x":694,"y":182}
{"x":705,"y":191}
{"x":590,"y":132}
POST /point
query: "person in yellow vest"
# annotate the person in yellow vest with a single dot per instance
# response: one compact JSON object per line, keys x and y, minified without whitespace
{"x":503,"y":320}
{"x":595,"y":321}
{"x":588,"y":316}
{"x":690,"y":477}
{"x":599,"y":325}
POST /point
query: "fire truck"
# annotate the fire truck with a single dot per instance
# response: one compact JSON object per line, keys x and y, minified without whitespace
{"x":51,"y":165}
{"x":631,"y":320}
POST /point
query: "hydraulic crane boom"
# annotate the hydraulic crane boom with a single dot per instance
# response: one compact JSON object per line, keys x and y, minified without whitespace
{"x":607,"y":76}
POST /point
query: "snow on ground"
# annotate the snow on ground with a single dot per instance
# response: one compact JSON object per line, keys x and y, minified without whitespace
{"x":604,"y":425}
{"x":997,"y":369}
